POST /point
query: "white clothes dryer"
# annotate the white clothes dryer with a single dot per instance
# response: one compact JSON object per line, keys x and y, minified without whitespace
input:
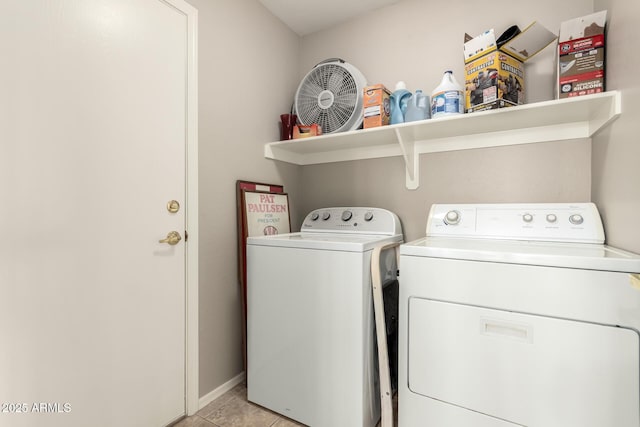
{"x":311,"y":352}
{"x":518,"y":315}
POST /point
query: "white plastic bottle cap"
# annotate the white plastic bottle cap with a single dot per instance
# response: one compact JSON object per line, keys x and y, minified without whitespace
{"x":401,"y":85}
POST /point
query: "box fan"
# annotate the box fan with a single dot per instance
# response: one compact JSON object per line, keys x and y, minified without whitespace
{"x":331,"y":96}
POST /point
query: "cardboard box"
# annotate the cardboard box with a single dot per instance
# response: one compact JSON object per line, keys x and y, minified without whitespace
{"x":494,"y":71}
{"x":376,"y":106}
{"x":581,"y":56}
{"x":304,"y":131}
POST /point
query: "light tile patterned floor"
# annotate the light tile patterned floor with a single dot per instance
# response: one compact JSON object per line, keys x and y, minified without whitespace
{"x":233,"y":410}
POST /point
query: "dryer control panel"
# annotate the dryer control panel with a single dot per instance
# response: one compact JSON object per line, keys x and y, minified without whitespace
{"x":352,"y":220}
{"x":555,"y":222}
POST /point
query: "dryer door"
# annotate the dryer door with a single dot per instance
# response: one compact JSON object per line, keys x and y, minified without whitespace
{"x":525,"y":369}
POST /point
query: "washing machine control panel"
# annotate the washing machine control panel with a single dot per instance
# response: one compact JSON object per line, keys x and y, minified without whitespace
{"x":558,"y":222}
{"x":352,"y":220}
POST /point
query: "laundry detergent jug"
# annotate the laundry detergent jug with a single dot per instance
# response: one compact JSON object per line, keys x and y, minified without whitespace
{"x":399,"y":99}
{"x":448,"y":98}
{"x":418,"y":107}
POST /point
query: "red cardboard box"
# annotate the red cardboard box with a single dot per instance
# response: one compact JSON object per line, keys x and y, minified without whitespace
{"x":581,"y":56}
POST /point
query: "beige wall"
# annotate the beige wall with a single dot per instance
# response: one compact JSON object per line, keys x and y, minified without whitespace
{"x":616,"y":151}
{"x":250,"y":66}
{"x":416,"y":41}
{"x":528,"y":173}
{"x":247,"y":77}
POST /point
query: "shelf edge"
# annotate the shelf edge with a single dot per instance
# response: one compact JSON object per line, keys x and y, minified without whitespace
{"x":602,"y":109}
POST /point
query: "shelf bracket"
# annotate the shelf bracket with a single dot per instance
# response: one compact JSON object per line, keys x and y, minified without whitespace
{"x":411,"y":159}
{"x":578,"y":117}
{"x":606,"y":114}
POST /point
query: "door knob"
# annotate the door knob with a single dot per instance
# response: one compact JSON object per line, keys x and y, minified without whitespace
{"x":172,"y":238}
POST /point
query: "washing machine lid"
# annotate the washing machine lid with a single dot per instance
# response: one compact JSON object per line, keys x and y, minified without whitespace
{"x":568,"y":255}
{"x":325,"y":241}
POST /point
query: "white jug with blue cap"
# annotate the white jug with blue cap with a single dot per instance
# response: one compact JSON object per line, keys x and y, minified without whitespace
{"x":418,"y":107}
{"x":447,"y":98}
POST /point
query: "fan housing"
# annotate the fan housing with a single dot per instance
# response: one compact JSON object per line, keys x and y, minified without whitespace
{"x":331,"y":95}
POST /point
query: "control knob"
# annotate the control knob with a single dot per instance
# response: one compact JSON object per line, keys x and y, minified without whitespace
{"x":552,"y":218}
{"x":346,"y":215}
{"x":527,"y":217}
{"x":368,"y":216}
{"x":452,"y":218}
{"x":576,"y":219}
{"x":315,"y":216}
{"x":326,"y":216}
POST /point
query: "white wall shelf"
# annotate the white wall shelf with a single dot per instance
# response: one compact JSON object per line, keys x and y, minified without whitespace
{"x":556,"y":120}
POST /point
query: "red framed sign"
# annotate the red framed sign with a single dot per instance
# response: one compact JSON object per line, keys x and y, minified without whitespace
{"x":262,"y":209}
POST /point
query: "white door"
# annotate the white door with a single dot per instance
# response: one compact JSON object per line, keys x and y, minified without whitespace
{"x":93,"y":135}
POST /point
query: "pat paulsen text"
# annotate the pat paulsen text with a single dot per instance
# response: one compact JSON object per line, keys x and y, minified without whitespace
{"x":266,"y":205}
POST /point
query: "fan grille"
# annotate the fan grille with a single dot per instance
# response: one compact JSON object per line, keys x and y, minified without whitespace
{"x":328,"y":96}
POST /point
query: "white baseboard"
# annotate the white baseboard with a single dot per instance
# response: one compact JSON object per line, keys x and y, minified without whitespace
{"x":216,"y":393}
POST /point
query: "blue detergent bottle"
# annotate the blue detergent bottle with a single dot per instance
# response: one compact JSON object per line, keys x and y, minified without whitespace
{"x":399,"y":99}
{"x":418,"y":107}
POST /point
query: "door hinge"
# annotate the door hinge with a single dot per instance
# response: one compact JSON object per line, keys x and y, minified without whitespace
{"x":186,"y":236}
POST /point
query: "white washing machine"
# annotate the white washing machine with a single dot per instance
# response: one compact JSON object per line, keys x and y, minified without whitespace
{"x":518,"y":315}
{"x":311,"y":352}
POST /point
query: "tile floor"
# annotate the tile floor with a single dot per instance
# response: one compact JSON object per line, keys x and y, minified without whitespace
{"x":233,"y":410}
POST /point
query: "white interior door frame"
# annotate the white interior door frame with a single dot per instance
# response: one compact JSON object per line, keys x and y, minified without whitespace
{"x":191,"y":264}
{"x":99,"y":130}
